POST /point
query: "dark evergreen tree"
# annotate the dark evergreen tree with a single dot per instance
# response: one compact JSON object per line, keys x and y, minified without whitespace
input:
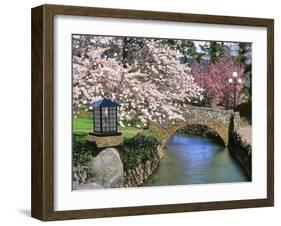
{"x":215,"y":50}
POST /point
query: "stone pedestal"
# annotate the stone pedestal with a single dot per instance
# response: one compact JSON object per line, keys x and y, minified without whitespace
{"x":105,"y":141}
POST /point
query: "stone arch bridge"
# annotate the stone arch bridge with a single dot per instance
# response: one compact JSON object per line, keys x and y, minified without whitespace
{"x":220,"y":120}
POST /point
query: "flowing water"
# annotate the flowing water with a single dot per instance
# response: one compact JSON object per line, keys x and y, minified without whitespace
{"x":193,"y":159}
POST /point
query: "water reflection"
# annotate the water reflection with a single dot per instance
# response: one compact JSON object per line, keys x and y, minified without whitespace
{"x":194,"y":160}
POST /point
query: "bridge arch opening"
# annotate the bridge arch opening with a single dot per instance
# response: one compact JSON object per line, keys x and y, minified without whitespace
{"x":202,"y":130}
{"x":216,"y":120}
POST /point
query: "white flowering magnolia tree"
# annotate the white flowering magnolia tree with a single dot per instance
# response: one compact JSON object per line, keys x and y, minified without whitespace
{"x":150,"y":85}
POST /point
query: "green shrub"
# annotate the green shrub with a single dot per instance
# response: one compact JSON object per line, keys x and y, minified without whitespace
{"x":138,"y":149}
{"x":82,"y":150}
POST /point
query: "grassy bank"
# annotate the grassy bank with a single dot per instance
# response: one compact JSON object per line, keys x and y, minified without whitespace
{"x":84,"y":124}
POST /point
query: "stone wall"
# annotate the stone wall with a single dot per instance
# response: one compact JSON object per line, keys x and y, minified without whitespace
{"x":242,"y":150}
{"x":137,"y":176}
{"x":240,"y":147}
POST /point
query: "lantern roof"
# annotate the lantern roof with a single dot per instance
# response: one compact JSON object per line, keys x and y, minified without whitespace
{"x":104,"y":102}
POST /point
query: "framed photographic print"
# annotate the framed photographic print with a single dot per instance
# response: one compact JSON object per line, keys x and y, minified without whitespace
{"x":141,"y":112}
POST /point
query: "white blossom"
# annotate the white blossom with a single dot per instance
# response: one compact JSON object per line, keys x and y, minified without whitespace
{"x":152,"y":86}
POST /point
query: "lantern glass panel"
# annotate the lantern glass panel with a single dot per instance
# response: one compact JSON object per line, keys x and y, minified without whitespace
{"x":109,"y":119}
{"x":97,"y":116}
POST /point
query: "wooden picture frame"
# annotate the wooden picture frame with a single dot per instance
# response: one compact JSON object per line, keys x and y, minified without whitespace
{"x":42,"y":203}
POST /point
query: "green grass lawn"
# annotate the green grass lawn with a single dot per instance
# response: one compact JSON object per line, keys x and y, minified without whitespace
{"x":84,"y":124}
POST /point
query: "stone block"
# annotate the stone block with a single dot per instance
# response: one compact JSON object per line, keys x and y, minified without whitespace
{"x":105,"y":141}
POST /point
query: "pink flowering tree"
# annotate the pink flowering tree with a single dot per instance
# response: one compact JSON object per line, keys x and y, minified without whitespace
{"x":214,"y":79}
{"x":152,"y":86}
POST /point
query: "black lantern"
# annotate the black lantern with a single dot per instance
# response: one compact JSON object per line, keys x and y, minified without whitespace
{"x":105,"y":118}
